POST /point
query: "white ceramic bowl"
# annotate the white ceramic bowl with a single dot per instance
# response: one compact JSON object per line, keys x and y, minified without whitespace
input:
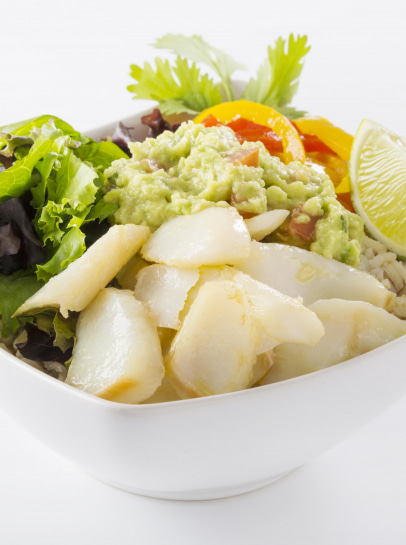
{"x":204,"y":448}
{"x":211,"y":447}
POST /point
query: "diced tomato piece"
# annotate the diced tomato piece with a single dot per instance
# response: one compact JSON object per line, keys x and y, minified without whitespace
{"x":248,"y":157}
{"x":303,"y":231}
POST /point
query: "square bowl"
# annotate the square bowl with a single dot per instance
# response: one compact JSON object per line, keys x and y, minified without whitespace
{"x":210,"y":447}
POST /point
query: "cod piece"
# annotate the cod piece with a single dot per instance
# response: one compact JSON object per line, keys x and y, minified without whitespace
{"x":352,"y":328}
{"x":214,"y":236}
{"x":305,"y":274}
{"x":75,"y":287}
{"x":214,"y":350}
{"x":117,"y":355}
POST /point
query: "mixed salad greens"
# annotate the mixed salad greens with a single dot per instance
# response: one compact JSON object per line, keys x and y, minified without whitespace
{"x":52,"y":207}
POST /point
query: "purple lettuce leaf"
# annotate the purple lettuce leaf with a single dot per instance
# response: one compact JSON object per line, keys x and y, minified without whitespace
{"x":39,"y":346}
{"x":157,"y":124}
{"x":19,"y":245}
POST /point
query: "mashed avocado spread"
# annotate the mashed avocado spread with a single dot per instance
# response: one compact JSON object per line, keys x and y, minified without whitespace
{"x":197,"y":167}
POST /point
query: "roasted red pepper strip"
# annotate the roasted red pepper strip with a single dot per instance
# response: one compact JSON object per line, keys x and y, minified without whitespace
{"x":313,"y":143}
{"x":248,"y":131}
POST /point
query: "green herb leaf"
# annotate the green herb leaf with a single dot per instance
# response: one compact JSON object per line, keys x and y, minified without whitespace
{"x":173,"y":106}
{"x":196,"y":49}
{"x":181,"y":88}
{"x":278,"y":77}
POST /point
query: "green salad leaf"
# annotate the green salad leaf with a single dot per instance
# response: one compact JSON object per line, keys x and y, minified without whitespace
{"x":100,"y":154}
{"x":72,"y":245}
{"x":65,"y":331}
{"x":24,"y":128}
{"x":18,"y":178}
{"x":278,"y":77}
{"x":75,"y":182}
{"x":15,"y":289}
{"x":101,"y":210}
{"x":12,"y":142}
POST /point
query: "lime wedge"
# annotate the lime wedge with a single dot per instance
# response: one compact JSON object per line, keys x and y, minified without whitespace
{"x":377,"y":172}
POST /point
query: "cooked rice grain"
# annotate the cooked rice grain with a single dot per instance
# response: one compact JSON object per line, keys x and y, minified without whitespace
{"x":377,"y":260}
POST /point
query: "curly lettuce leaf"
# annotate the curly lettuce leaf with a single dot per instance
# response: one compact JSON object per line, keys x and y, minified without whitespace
{"x":18,"y":178}
{"x":12,"y":142}
{"x":71,"y":247}
{"x":44,"y":167}
{"x":15,"y":289}
{"x":100,"y":154}
{"x":24,"y":128}
{"x":194,"y":48}
{"x":50,"y":223}
{"x":278,"y":77}
{"x":75,"y":183}
{"x":180,"y":88}
{"x":73,"y":191}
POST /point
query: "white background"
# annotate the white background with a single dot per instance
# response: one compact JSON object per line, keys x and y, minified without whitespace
{"x":71,"y":59}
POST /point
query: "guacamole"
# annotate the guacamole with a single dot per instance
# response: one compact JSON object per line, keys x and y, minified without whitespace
{"x":197,"y":167}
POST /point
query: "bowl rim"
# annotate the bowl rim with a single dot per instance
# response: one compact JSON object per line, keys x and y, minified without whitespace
{"x":215,"y":399}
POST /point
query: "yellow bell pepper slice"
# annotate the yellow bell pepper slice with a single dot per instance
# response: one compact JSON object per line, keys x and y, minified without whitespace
{"x":335,"y":167}
{"x":334,"y":137}
{"x":344,"y":186}
{"x":262,"y":115}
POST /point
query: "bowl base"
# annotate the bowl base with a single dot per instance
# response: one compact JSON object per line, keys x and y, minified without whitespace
{"x":196,"y":495}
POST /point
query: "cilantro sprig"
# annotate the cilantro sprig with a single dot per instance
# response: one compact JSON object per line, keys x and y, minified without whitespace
{"x":180,"y":87}
{"x":277,"y":79}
